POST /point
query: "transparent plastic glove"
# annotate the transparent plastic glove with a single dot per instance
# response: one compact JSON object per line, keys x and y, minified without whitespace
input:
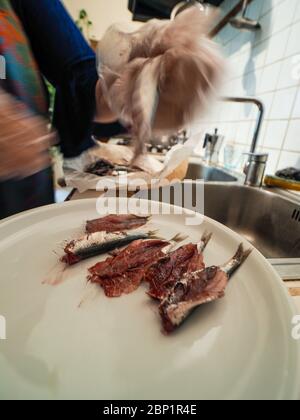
{"x":159,"y":79}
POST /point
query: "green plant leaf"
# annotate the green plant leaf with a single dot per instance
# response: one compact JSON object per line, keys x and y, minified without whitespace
{"x":82,"y":14}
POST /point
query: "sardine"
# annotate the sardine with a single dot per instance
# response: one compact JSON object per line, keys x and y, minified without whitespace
{"x":162,"y":275}
{"x":99,"y":243}
{"x":197,"y":288}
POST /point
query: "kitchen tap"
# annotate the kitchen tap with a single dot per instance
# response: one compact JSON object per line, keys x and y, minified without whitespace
{"x":256,"y":164}
{"x":242,"y":22}
{"x":259,"y":121}
{"x":255,"y":169}
{"x":181,"y":6}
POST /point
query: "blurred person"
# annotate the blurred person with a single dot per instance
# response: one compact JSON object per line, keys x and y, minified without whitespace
{"x":40,"y":39}
{"x":139,"y":73}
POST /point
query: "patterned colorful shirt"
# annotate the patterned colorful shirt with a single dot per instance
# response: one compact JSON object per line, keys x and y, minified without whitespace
{"x":23,"y":77}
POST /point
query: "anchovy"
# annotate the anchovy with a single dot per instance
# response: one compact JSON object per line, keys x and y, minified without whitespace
{"x":163,"y":274}
{"x":197,"y":288}
{"x":98,"y":243}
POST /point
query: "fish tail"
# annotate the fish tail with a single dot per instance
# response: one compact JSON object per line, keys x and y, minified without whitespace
{"x":178,"y":238}
{"x":206,"y":237}
{"x":237,"y":260}
{"x":153,"y":234}
{"x":241,"y":255}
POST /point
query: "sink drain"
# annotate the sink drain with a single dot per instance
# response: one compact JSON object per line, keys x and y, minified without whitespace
{"x":296,"y":215}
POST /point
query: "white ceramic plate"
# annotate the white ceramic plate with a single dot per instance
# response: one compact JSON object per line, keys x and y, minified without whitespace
{"x":239,"y":347}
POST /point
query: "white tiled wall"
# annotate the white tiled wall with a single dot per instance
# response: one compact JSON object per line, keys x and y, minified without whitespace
{"x":265,"y":64}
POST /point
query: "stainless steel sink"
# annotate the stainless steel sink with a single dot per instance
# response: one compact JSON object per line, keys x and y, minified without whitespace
{"x":270,"y":222}
{"x":208,"y":173}
{"x":268,"y":219}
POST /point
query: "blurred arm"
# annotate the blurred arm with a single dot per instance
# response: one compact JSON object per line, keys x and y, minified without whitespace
{"x":24,"y":140}
{"x":67,"y":61}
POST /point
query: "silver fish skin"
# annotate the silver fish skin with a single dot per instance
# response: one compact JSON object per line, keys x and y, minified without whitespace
{"x":206,"y":237}
{"x":236,"y":261}
{"x":92,"y":245}
{"x":197,"y":288}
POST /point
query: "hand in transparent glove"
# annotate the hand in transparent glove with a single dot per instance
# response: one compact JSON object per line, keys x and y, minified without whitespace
{"x":159,"y":79}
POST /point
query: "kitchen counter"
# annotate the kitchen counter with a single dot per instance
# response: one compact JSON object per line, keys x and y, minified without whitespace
{"x":294,"y":289}
{"x":297,"y":302}
{"x":76,"y":195}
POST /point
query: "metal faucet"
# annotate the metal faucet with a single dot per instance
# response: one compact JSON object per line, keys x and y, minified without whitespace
{"x":259,"y":121}
{"x":255,"y":169}
{"x":256,"y":164}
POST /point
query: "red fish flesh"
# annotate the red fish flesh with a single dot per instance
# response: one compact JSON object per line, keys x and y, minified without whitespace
{"x":124,"y":273}
{"x":162,"y":275}
{"x":115,"y":223}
